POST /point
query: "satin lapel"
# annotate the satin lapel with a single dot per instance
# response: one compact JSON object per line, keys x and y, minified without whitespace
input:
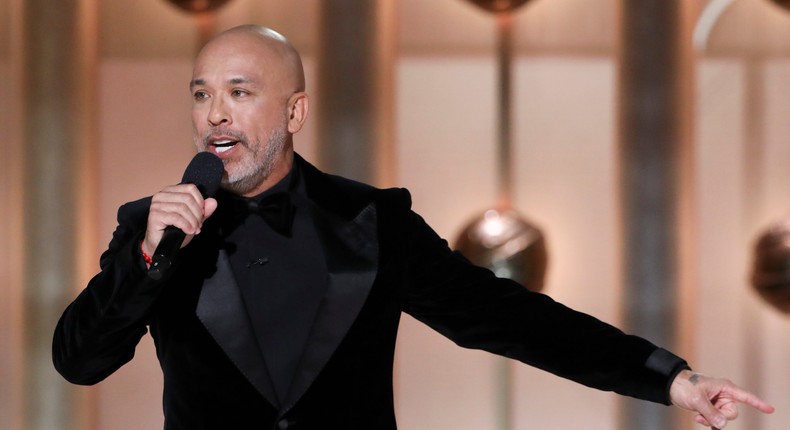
{"x":221,"y":310}
{"x":351,"y":249}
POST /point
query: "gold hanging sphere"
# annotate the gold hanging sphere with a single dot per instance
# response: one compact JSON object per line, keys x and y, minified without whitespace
{"x":771,"y":267}
{"x":508,"y":245}
{"x":196,"y":6}
{"x":499,"y":5}
{"x":782,"y":3}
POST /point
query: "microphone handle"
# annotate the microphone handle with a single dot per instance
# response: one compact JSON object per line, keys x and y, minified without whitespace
{"x":165,"y":252}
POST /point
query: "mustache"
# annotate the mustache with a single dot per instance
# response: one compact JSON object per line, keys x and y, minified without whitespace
{"x":235,"y":135}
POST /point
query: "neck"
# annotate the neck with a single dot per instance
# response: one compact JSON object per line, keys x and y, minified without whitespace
{"x":281,"y":169}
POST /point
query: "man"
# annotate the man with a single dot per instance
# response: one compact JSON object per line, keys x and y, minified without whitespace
{"x":267,"y":325}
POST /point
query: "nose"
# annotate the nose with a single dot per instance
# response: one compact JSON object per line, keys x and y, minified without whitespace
{"x":218,"y":114}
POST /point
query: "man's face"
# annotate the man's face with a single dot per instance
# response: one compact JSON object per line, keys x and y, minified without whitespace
{"x":240,"y":110}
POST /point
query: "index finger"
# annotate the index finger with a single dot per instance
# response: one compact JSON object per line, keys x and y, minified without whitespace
{"x":750,"y":399}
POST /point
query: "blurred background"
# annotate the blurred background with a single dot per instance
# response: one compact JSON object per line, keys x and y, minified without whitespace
{"x":650,"y":143}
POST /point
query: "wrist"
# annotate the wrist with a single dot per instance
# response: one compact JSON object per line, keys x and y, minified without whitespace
{"x":146,"y":256}
{"x":681,"y":383}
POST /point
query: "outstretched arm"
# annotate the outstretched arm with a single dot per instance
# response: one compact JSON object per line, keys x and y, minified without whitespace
{"x":714,"y":400}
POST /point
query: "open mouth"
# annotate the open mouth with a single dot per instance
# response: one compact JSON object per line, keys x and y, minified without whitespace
{"x":224,"y":145}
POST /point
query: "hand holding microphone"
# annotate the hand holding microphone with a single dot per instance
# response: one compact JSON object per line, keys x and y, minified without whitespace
{"x":178,"y":211}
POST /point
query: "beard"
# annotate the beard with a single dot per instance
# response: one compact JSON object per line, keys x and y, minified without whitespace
{"x":255,"y":166}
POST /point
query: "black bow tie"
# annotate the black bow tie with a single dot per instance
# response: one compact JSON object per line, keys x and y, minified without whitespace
{"x":276,"y":209}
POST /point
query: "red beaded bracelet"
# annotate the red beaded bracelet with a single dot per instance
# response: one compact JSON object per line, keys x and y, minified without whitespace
{"x":146,"y":257}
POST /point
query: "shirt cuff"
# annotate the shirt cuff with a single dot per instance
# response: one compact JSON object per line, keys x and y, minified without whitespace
{"x":668,"y":365}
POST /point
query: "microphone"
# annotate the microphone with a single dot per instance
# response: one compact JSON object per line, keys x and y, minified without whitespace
{"x":205,"y":171}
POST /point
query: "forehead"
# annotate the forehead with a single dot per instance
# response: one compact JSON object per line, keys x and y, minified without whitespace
{"x":235,"y":56}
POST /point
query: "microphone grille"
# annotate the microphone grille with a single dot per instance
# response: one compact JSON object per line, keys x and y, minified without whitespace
{"x":205,"y":171}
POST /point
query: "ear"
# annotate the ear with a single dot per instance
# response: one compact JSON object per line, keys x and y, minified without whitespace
{"x":298,"y":106}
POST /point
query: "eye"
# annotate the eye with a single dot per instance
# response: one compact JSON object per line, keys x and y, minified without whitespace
{"x":238,"y":92}
{"x":199,"y":95}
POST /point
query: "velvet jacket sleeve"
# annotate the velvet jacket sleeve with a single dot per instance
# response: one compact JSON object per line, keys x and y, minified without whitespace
{"x":475,"y":309}
{"x":99,"y":330}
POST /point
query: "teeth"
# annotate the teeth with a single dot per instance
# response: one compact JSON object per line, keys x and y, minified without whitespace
{"x":223,"y":145}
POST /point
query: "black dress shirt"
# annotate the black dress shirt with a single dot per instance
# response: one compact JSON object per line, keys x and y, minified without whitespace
{"x":282,"y":277}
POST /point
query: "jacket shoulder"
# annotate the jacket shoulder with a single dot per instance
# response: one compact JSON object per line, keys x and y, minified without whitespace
{"x":347,"y":196}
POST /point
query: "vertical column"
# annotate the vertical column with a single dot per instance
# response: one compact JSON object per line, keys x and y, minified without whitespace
{"x":655,"y":166}
{"x":356,"y":79}
{"x":11,"y":358}
{"x":60,"y":59}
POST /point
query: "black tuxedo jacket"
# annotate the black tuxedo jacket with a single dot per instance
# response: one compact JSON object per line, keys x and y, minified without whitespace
{"x":382,"y":260}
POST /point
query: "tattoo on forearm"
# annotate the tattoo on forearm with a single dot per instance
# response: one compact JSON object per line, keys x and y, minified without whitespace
{"x":694,"y":379}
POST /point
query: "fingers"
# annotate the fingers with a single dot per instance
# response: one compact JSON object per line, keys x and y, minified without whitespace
{"x":181,"y":206}
{"x":710,"y":414}
{"x":725,"y":404}
{"x":750,"y":399}
{"x":715,"y":400}
{"x":702,"y":421}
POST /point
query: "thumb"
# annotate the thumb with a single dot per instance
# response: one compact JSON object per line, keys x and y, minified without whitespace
{"x":209,"y":206}
{"x":711,"y":414}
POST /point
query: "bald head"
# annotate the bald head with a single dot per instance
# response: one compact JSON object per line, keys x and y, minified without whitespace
{"x":277,"y":53}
